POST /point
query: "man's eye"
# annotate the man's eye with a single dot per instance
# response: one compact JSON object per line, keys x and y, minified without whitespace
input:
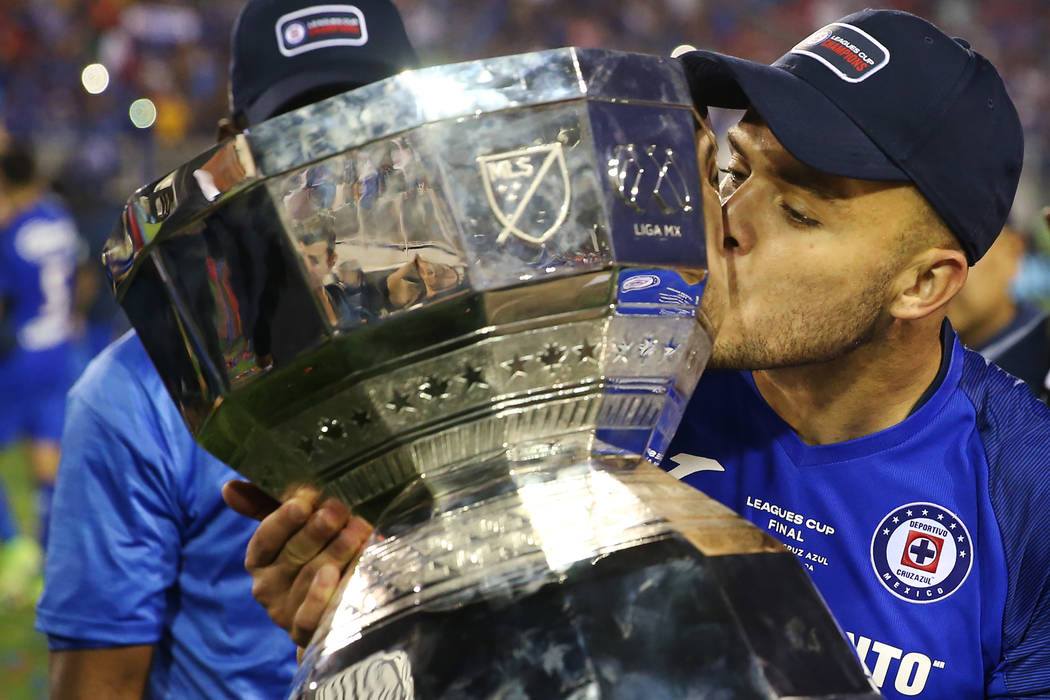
{"x":798,"y":217}
{"x":732,"y":180}
{"x":733,"y":175}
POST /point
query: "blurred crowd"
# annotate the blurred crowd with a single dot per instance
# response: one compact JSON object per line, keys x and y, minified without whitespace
{"x":175,"y":53}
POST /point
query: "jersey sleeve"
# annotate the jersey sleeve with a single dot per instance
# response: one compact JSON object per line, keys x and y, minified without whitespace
{"x":1016,"y":432}
{"x":115,"y":531}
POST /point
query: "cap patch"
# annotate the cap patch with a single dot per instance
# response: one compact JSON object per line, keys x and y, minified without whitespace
{"x":850,"y":52}
{"x":320,"y":26}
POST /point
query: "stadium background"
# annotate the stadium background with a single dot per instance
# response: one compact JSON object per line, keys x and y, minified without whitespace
{"x":174,"y":54}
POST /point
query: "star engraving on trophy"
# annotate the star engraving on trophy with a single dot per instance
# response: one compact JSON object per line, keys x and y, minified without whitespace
{"x":473,"y":377}
{"x":331,"y":428}
{"x":647,"y":347}
{"x":434,"y":388}
{"x":587,"y":351}
{"x":306,"y":444}
{"x":516,"y":365}
{"x":623,"y":349}
{"x":400,"y":402}
{"x":670,"y":349}
{"x":552,"y":356}
{"x":361,"y":418}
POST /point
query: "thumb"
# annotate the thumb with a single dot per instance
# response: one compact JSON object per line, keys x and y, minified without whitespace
{"x":248,"y":499}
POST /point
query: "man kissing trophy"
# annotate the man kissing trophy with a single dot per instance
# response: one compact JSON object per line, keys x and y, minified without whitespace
{"x":465,"y":301}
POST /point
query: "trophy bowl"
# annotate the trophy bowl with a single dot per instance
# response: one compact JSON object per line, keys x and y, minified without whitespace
{"x":465,"y":301}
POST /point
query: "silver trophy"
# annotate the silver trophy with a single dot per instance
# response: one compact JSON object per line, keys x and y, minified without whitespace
{"x":465,"y":301}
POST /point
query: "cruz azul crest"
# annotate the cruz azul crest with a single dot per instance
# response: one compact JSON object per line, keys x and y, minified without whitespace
{"x":528,"y":191}
{"x":921,"y":552}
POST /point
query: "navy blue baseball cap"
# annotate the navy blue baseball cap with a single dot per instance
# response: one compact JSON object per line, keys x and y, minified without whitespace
{"x":885,"y":95}
{"x":284,"y":51}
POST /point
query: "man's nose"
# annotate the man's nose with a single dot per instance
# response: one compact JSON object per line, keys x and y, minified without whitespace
{"x":738,"y":220}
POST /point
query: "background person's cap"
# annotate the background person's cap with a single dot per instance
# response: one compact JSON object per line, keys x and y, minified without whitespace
{"x":286,"y":50}
{"x":885,"y":95}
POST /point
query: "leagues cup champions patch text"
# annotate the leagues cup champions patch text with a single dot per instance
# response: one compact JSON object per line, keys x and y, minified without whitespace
{"x":851,"y":53}
{"x":320,"y":26}
{"x":921,"y":552}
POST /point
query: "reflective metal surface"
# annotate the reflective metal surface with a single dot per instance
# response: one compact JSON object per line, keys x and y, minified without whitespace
{"x":465,"y":300}
{"x":380,"y":248}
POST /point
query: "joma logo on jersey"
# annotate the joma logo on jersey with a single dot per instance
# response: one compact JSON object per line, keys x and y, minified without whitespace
{"x":921,"y":552}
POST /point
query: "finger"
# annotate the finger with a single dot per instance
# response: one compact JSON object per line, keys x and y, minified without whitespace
{"x":341,"y":551}
{"x":312,"y":538}
{"x":340,"y":554}
{"x":278,"y":528}
{"x":319,"y":595}
{"x":358,"y":532}
{"x":248,"y":499}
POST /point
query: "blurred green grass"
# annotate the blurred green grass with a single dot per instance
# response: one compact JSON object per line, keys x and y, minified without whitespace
{"x":23,"y":650}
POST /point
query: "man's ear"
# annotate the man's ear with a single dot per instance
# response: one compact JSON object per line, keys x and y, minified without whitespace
{"x":928,"y":283}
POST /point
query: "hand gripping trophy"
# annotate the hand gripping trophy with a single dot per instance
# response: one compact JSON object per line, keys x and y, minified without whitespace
{"x":465,"y":300}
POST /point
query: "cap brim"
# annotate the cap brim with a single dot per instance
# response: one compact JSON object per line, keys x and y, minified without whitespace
{"x":806,"y":123}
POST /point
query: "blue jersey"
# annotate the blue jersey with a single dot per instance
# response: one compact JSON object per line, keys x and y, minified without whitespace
{"x":39,"y":250}
{"x":38,"y":257}
{"x":144,"y":551}
{"x":928,"y":540}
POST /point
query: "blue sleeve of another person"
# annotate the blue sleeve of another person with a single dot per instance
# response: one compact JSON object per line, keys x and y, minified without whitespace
{"x":1015,"y":432}
{"x":114,"y":548}
{"x":144,"y":551}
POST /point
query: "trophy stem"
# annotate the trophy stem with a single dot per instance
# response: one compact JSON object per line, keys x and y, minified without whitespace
{"x":550,"y":570}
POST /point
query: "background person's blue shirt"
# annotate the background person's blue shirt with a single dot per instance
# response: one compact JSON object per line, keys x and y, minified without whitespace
{"x":928,"y":540}
{"x":143,"y":549}
{"x":39,"y":251}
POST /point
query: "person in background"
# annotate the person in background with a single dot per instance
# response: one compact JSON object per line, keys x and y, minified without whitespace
{"x":145,"y":590}
{"x":39,"y":253}
{"x":1014,"y":335}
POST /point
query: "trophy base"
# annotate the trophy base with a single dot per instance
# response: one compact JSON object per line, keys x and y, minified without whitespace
{"x":658,"y":620}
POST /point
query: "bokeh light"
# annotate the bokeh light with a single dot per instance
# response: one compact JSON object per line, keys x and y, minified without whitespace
{"x":143,"y":113}
{"x":95,"y":78}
